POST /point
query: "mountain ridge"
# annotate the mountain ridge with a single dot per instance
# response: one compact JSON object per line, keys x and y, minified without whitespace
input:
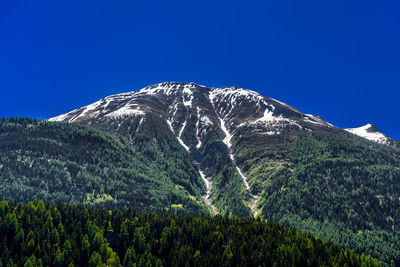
{"x":170,"y":86}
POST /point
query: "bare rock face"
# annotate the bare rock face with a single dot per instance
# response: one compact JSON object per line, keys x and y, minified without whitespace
{"x":188,"y":105}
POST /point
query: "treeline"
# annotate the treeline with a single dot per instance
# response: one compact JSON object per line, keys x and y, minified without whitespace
{"x":35,"y":234}
{"x":75,"y":163}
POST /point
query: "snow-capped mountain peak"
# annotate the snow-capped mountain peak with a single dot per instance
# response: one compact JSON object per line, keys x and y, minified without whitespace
{"x":178,"y":104}
{"x":168,"y":88}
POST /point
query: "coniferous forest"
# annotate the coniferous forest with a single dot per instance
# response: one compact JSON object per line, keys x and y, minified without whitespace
{"x":74,"y":163}
{"x":335,"y":187}
{"x":36,"y":234}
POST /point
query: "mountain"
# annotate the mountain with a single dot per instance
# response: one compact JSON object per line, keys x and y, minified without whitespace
{"x":200,"y":118}
{"x":371,"y":132}
{"x":194,"y":149}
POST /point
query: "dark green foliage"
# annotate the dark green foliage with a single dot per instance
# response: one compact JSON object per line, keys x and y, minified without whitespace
{"x":74,"y":163}
{"x":335,"y":185}
{"x":147,"y":169}
{"x":227,"y":183}
{"x":67,"y":235}
{"x":228,"y":188}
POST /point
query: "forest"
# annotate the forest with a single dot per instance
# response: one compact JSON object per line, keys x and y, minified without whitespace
{"x":77,"y":163}
{"x":74,"y":163}
{"x":335,"y":185}
{"x":39,"y":234}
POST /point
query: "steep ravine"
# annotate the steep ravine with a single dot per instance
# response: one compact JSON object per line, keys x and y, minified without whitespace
{"x":208,"y":183}
{"x":252,"y":203}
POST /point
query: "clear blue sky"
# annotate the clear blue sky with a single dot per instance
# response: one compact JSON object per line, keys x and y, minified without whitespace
{"x":336,"y":59}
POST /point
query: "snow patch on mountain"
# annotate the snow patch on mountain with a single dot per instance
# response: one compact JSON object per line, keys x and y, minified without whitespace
{"x":286,"y":105}
{"x":203,"y":124}
{"x":126,"y":111}
{"x":205,"y":121}
{"x":228,"y":137}
{"x":87,"y":109}
{"x":140,"y":124}
{"x":62,"y":117}
{"x":169,"y":88}
{"x":316,"y":120}
{"x":197,"y":129}
{"x":233,"y":96}
{"x":165,"y":88}
{"x":174,"y":109}
{"x":232,"y":99}
{"x":187,"y":97}
{"x":182,"y":129}
{"x":369,"y":132}
{"x":179,"y":135}
{"x":268,"y":116}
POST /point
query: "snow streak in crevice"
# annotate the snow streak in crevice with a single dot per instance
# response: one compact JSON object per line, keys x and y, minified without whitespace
{"x":227,"y":140}
{"x":197,"y":129}
{"x":207,"y":197}
{"x":140,"y":124}
{"x":179,"y":136}
{"x":208,"y":183}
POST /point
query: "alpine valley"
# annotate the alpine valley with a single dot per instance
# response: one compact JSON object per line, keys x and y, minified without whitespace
{"x":190,"y":149}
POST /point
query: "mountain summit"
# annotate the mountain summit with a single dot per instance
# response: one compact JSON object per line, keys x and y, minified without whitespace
{"x":176,"y":102}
